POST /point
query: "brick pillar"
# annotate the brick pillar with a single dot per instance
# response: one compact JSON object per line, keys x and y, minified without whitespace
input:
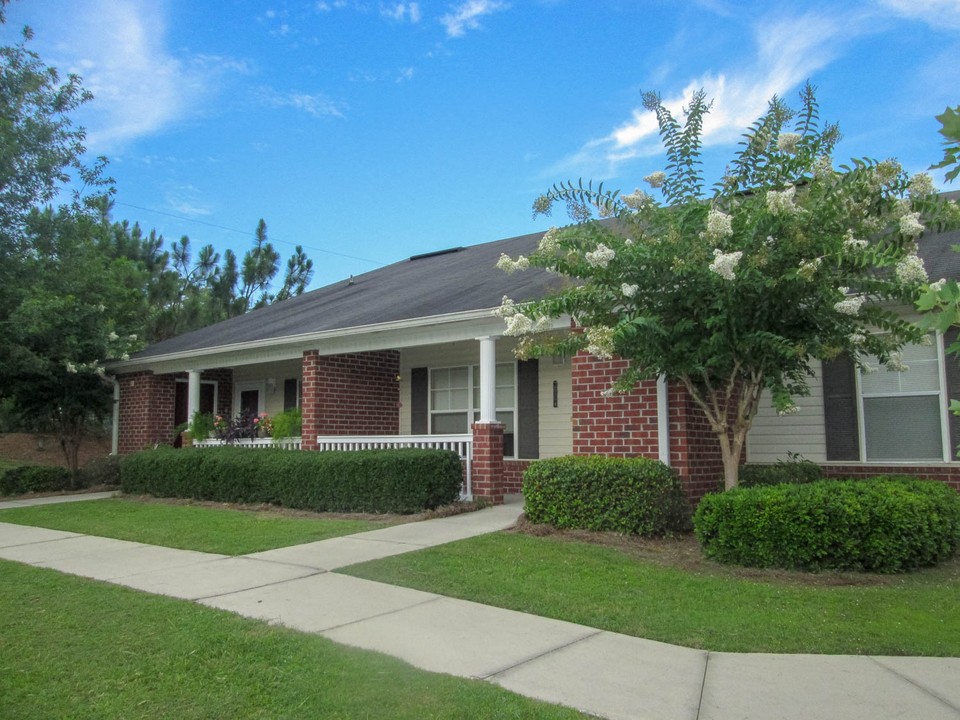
{"x":146,"y":411}
{"x":488,"y":461}
{"x":311,"y":399}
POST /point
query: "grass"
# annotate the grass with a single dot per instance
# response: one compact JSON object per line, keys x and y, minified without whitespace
{"x":692,"y":603}
{"x":89,"y":651}
{"x":188,"y":527}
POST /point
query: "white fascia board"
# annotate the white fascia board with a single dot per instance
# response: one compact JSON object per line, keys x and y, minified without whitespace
{"x":431,"y":330}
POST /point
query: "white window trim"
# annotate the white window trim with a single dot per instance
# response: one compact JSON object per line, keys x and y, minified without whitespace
{"x":471,"y":409}
{"x":260,"y":386}
{"x":944,"y":414}
{"x":216,"y":391}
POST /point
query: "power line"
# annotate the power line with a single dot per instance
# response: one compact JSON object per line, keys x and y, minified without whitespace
{"x":245,"y":232}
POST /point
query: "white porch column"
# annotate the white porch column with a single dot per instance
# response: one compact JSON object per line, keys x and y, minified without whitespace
{"x":663,"y":421}
{"x":488,"y":379}
{"x":193,"y":393}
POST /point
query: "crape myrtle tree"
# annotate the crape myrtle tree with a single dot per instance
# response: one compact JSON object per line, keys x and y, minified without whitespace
{"x":786,"y":261}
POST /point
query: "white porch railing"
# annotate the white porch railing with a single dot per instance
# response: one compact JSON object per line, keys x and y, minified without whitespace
{"x":460,"y":444}
{"x":290,"y":443}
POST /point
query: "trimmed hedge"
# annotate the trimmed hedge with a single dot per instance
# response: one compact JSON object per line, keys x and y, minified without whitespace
{"x":792,"y":471}
{"x":34,"y":478}
{"x":884,"y":524}
{"x":378,"y":481}
{"x":626,"y":495}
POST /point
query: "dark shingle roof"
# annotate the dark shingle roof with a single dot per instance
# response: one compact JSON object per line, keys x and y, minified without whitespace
{"x":458,"y":280}
{"x":440,"y":283}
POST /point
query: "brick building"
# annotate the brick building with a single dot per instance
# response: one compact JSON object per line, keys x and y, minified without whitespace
{"x":412,"y":351}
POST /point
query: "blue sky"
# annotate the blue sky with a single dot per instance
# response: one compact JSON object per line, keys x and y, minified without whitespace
{"x":369,"y":131}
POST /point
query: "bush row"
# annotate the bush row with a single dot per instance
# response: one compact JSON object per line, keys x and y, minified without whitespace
{"x":795,"y":470}
{"x":636,"y":495}
{"x":398,"y":481}
{"x":27,"y":478}
{"x":881,"y":524}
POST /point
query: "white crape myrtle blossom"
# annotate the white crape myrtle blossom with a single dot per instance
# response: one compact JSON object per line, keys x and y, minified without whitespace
{"x":509,"y":265}
{"x":787,"y":142}
{"x":600,"y":342}
{"x":887,"y":172}
{"x":921,"y":185}
{"x":896,"y":364}
{"x":808,"y":268}
{"x":910,"y":225}
{"x":637,"y":200}
{"x":518,"y":324}
{"x":725,"y":264}
{"x":823,"y":167}
{"x":629,"y":290}
{"x":852,"y":244}
{"x":857,"y":338}
{"x":849,"y":306}
{"x":781,"y":202}
{"x":719,"y":225}
{"x":549,"y":242}
{"x":600,"y":257}
{"x":655,"y":179}
{"x":788,"y":410}
{"x":113,"y":337}
{"x":71,"y":368}
{"x":911,"y":270}
{"x":938,"y":285}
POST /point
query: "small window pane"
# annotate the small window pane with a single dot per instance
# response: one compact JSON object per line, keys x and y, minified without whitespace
{"x":923,"y":374}
{"x":440,"y":379}
{"x":458,"y":399}
{"x":505,"y":397}
{"x":440,"y":400}
{"x":458,"y":377}
{"x":505,"y":375}
{"x":902,"y":428}
{"x":449,"y":423}
{"x":507,"y":419}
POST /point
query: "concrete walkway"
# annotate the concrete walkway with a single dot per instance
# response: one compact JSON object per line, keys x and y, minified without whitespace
{"x":599,"y":672}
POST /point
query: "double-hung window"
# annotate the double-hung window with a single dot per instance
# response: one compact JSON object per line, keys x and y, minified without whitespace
{"x":455,"y":400}
{"x":901,"y":413}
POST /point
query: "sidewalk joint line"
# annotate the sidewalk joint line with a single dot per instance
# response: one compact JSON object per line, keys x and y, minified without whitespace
{"x":703,"y":682}
{"x":917,"y":685}
{"x":383,"y":614}
{"x":539,"y":655}
{"x":257,"y":587}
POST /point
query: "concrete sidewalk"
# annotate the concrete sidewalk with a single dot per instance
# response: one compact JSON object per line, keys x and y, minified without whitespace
{"x":603,"y":673}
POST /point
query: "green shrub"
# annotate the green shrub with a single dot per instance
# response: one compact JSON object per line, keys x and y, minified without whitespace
{"x":201,"y":426}
{"x":34,"y":478}
{"x":287,"y":424}
{"x":883,"y":524}
{"x":636,"y":495}
{"x":101,"y":471}
{"x":794,"y":470}
{"x":399,"y":481}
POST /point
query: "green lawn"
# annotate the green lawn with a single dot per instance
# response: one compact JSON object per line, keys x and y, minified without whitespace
{"x":189,"y":527}
{"x":606,"y":587}
{"x":79,"y":649}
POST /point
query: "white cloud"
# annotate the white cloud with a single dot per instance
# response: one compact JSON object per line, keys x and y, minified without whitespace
{"x":317,"y":105}
{"x":938,"y":14}
{"x":185,"y":200}
{"x":401,"y":11}
{"x":466,"y":16}
{"x":405,"y":74}
{"x":139,"y":86}
{"x":788,"y":52}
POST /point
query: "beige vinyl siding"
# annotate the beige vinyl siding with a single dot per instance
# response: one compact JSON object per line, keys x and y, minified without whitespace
{"x":773,"y":436}
{"x":556,"y":429}
{"x":278,"y":371}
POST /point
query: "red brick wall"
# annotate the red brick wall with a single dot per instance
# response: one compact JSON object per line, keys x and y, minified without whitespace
{"x":147,"y":406}
{"x":488,"y":461}
{"x":949,"y":474}
{"x":146,"y":410}
{"x":626,"y":425}
{"x":350,"y":394}
{"x":512,"y":481}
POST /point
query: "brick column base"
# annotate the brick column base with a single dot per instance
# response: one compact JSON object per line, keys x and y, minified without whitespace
{"x":488,"y":481}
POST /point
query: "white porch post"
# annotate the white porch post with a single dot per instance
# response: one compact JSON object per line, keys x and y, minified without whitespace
{"x":663,"y":420}
{"x":193,"y":393}
{"x":488,"y":379}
